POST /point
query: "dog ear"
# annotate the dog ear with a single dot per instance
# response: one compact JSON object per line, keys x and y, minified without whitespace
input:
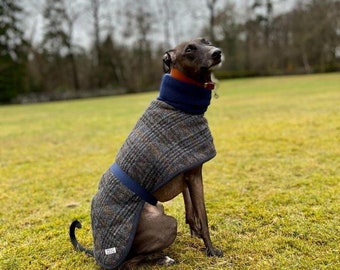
{"x":168,"y":60}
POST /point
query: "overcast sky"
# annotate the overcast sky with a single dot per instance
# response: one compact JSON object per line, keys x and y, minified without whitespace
{"x":83,"y":27}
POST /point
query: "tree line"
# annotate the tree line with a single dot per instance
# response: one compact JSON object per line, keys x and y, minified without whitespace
{"x":125,"y":54}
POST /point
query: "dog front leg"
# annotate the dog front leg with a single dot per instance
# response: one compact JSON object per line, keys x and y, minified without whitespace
{"x":190,"y":217}
{"x":197,"y":215}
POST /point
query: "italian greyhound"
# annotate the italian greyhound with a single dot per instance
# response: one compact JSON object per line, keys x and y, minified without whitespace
{"x":191,"y":62}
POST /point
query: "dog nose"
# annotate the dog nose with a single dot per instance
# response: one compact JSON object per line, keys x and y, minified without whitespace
{"x":216,"y":54}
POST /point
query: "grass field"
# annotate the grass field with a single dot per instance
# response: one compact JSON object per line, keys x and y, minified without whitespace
{"x":272,"y":192}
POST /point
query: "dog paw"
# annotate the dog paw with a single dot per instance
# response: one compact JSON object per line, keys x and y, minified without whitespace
{"x":166,"y":261}
{"x":214,"y":252}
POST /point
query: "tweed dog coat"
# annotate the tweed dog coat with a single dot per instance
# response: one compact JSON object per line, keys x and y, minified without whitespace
{"x":171,"y":137}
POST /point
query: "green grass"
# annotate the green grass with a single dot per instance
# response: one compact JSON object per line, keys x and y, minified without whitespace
{"x":272,"y":192}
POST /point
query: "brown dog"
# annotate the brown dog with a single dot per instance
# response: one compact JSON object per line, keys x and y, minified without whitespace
{"x":185,"y":94}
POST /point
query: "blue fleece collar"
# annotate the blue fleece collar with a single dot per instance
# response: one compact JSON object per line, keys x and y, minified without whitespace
{"x":186,"y":97}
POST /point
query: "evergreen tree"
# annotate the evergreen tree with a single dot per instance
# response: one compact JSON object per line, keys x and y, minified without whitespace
{"x":55,"y":39}
{"x":56,"y":45}
{"x":12,"y":51}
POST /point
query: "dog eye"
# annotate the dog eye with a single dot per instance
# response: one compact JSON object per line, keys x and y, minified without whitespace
{"x":190,"y":48}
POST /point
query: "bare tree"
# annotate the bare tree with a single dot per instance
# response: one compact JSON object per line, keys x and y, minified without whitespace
{"x":166,"y":11}
{"x":315,"y":33}
{"x":55,"y":33}
{"x":139,"y":26}
{"x":211,"y":4}
{"x":95,"y":6}
{"x":58,"y":44}
{"x":227,"y":31}
{"x":72,"y":13}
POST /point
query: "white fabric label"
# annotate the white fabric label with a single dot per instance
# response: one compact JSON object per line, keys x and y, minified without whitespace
{"x":110,"y":251}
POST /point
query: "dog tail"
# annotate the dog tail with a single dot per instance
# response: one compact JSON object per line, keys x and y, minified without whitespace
{"x":76,"y":224}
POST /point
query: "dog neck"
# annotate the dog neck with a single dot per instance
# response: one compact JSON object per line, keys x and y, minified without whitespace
{"x":187,"y":97}
{"x":180,"y":76}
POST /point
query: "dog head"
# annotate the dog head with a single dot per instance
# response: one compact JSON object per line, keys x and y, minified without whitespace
{"x":195,"y":59}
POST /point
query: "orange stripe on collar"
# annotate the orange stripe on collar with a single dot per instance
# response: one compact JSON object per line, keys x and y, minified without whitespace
{"x":175,"y":73}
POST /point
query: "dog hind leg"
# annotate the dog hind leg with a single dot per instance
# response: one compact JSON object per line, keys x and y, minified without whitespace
{"x":155,"y":232}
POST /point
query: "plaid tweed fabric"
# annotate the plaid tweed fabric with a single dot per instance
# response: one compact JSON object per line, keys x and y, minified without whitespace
{"x":164,"y":143}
